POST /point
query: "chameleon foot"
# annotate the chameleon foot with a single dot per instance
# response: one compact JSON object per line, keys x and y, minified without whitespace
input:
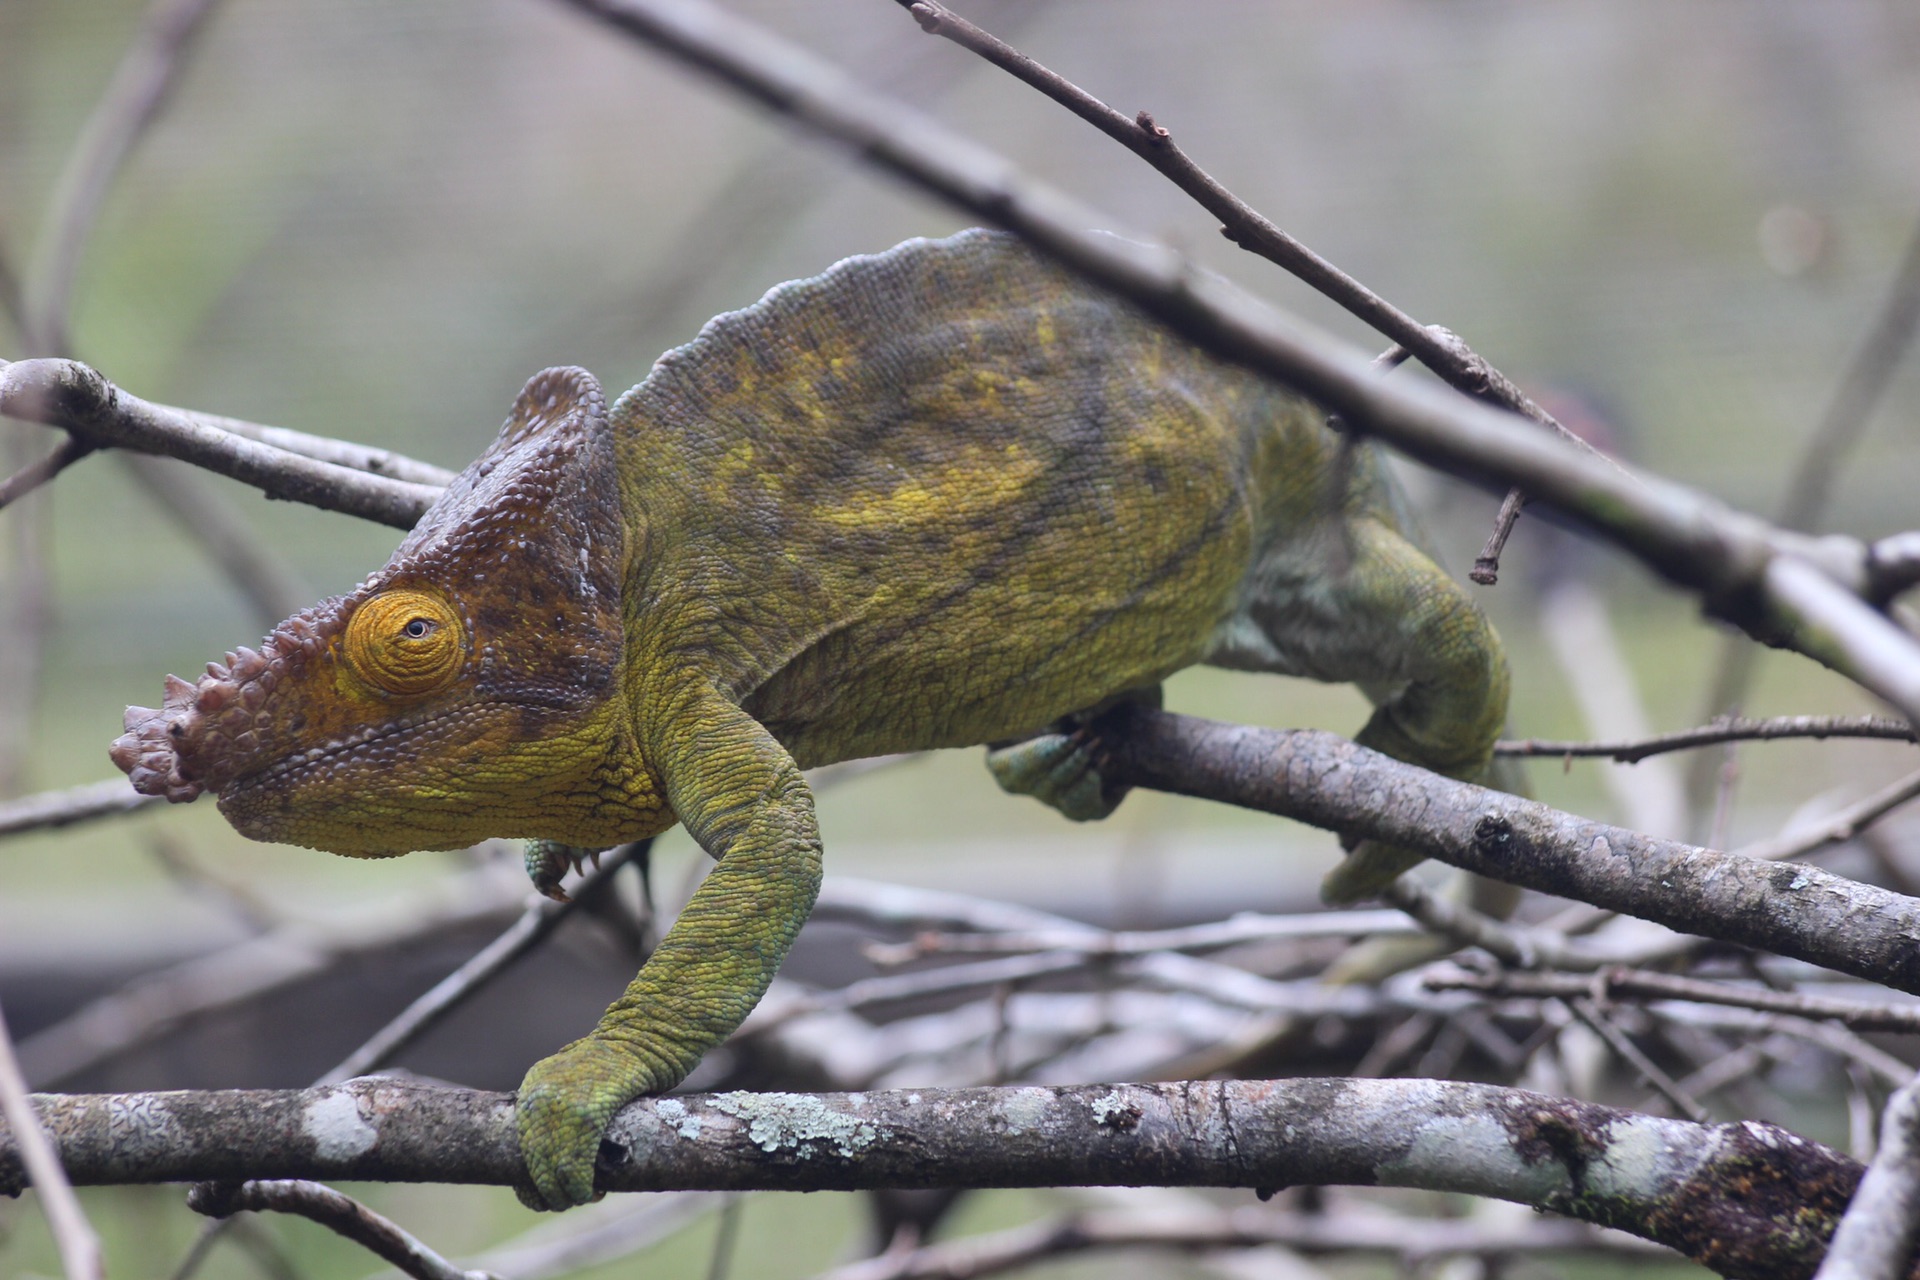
{"x":548,"y":862}
{"x":1058,"y":769}
{"x":563,"y":1108}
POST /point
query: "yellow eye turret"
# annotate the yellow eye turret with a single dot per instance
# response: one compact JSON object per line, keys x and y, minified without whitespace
{"x":405,"y":642}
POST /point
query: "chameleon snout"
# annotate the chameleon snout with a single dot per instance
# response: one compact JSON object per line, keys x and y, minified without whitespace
{"x":205,"y":735}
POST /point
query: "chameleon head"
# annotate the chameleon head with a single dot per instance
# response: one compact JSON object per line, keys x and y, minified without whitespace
{"x":474,"y":677}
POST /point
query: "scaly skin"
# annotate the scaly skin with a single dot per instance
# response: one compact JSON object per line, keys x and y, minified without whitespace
{"x":940,"y":496}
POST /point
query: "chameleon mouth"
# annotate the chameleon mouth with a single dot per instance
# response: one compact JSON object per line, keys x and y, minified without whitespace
{"x":205,"y":735}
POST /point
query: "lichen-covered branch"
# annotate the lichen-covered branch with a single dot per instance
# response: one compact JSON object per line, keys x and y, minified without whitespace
{"x":1746,"y":1199}
{"x":1322,"y":779}
{"x":66,"y":393}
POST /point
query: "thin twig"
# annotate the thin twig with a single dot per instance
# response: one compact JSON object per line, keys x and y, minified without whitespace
{"x":1243,"y":1228}
{"x":140,"y":87}
{"x":1725,"y":729}
{"x":1439,"y":349}
{"x":40,"y":471}
{"x":75,"y":1237}
{"x":1844,"y":825}
{"x":1875,"y":1239}
{"x":1242,"y":928}
{"x":339,"y":1213}
{"x":1810,"y":483}
{"x":1618,"y":983}
{"x":50,"y":809}
{"x":66,"y":393}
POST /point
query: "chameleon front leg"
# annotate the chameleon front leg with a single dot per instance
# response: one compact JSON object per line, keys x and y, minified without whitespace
{"x":741,"y":797}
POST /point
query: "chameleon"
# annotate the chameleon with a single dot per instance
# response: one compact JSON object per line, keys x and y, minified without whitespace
{"x":940,"y":496}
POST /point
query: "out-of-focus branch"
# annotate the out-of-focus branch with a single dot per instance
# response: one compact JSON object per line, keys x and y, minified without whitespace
{"x":1810,"y":483}
{"x":66,"y":393}
{"x":1724,"y":729}
{"x":541,"y":917}
{"x":1318,"y":778}
{"x":50,"y":809}
{"x":270,"y":586}
{"x":39,"y":1165}
{"x":341,"y":1214}
{"x":1647,"y":984}
{"x":1413,"y":1249}
{"x":1242,"y":928}
{"x":1744,"y":1199}
{"x":1439,"y":349}
{"x":140,"y":87}
{"x":1875,"y":1240}
{"x":1730,"y":559}
{"x":43,"y":469}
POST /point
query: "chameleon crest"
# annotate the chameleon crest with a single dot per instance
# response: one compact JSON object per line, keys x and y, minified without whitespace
{"x":939,"y":496}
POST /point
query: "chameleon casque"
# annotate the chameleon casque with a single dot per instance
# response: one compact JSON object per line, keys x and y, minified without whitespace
{"x":940,"y":496}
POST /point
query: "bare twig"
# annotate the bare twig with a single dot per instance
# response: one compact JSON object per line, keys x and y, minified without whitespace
{"x":344,"y":1215}
{"x":78,"y":1244}
{"x":66,"y":393}
{"x":1616,"y":983}
{"x":84,"y":803}
{"x":1875,"y":1239}
{"x":1665,"y":1085}
{"x":1844,"y":825}
{"x":1439,"y":349}
{"x":1242,"y":928}
{"x":1724,"y":729}
{"x":1486,"y":565}
{"x":40,"y":471}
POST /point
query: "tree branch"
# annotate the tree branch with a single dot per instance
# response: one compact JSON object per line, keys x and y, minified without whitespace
{"x":66,"y":393}
{"x":1746,"y":1199}
{"x":1875,"y":1239}
{"x":1324,"y":780}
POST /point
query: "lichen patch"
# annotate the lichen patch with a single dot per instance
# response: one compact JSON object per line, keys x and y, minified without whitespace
{"x":338,"y":1131}
{"x":798,"y":1124}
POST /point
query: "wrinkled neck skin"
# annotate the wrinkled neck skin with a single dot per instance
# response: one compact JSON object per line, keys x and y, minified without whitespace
{"x":472,"y":688}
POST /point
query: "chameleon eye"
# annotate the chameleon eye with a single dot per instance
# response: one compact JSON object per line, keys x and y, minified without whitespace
{"x":405,"y":642}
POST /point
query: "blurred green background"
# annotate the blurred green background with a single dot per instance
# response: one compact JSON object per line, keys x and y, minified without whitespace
{"x":375,"y":220}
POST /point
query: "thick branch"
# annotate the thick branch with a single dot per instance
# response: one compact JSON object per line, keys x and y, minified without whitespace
{"x":1746,"y":1199}
{"x":1729,"y":559}
{"x":1322,"y":779}
{"x":66,"y":393}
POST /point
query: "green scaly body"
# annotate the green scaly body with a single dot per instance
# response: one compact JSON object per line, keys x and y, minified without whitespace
{"x":936,"y":497}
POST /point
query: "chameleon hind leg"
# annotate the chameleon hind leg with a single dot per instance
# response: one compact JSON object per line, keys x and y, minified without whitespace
{"x":1061,"y":767}
{"x":1415,"y":643}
